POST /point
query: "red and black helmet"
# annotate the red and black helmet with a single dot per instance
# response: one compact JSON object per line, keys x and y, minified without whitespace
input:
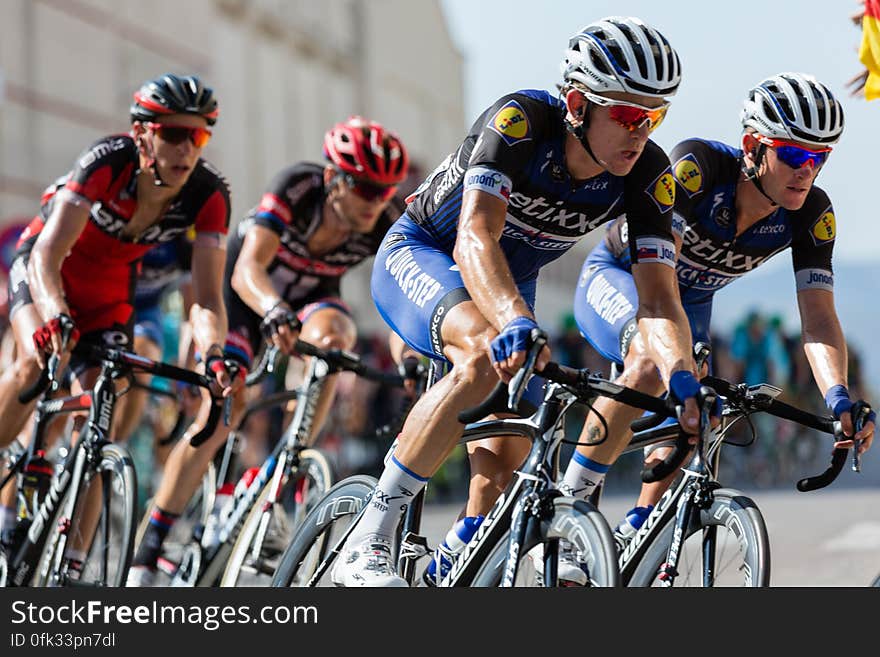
{"x":174,"y":94}
{"x":366,"y":151}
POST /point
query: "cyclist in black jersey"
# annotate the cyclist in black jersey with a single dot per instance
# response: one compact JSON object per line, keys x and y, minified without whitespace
{"x":283,"y":272}
{"x":456,"y":276}
{"x":734,"y":209}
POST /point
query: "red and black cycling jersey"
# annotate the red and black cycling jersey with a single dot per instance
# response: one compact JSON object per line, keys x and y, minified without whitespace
{"x":100,"y":270}
{"x":293,"y":207}
{"x":515,"y":151}
{"x":712,"y":254}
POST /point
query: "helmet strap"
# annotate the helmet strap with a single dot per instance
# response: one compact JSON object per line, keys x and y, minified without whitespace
{"x":152,"y":164}
{"x":580,"y":132}
{"x":751,"y":172}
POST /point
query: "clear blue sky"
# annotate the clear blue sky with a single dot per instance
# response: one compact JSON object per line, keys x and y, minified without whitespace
{"x":725,"y":49}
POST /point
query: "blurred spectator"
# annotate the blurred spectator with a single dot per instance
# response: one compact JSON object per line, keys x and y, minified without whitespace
{"x":759,"y":352}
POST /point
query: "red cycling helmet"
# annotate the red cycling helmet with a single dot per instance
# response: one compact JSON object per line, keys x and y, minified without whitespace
{"x":366,"y":151}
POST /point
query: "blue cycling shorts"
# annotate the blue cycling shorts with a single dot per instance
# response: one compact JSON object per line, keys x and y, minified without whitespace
{"x":415,"y":284}
{"x":605,"y":305}
{"x":148,"y":324}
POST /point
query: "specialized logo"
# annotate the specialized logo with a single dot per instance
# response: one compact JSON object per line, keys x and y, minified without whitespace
{"x":489,"y":181}
{"x":394,"y":238}
{"x":662,"y":190}
{"x":824,"y":229}
{"x":688,"y":174}
{"x":511,"y":123}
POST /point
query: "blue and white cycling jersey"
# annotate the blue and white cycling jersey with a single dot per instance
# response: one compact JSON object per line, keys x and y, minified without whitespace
{"x":712,"y":254}
{"x":516,"y":152}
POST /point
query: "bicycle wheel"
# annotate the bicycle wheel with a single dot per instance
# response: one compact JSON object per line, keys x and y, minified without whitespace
{"x":575,"y":521}
{"x":742,"y":546}
{"x":111,"y":545}
{"x":269,"y":529}
{"x":320,"y":531}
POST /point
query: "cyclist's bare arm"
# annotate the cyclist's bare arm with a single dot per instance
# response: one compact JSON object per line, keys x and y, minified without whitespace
{"x":250,"y":278}
{"x":208,"y":312}
{"x":664,"y":326}
{"x":484,"y":267}
{"x":825,"y":347}
{"x":63,"y":228}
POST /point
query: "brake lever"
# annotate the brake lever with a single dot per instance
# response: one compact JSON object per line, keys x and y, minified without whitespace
{"x":517,"y":386}
{"x":860,"y":411}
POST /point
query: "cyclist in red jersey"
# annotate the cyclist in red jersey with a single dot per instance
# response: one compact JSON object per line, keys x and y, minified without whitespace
{"x":283,"y":272}
{"x":76,"y":263}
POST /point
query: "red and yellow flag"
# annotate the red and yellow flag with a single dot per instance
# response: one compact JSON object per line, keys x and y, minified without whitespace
{"x":869,"y":51}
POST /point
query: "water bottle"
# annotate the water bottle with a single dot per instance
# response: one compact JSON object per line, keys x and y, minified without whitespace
{"x":36,"y":480}
{"x":634,"y":520}
{"x":210,"y":537}
{"x":446,"y":554}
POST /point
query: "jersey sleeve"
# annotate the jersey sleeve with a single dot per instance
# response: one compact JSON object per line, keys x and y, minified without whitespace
{"x":275,"y":211}
{"x":813,"y":242}
{"x":691,"y":168}
{"x":213,"y":216}
{"x":96,"y":169}
{"x":649,"y":196}
{"x":507,"y":133}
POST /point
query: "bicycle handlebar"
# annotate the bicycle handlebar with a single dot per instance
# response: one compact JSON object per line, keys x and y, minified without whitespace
{"x":340,"y":360}
{"x":127,"y":359}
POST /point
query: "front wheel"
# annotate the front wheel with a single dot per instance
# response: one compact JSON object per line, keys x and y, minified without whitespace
{"x":576,"y":521}
{"x":269,"y":528}
{"x":321,"y":530}
{"x":99,"y":534}
{"x":728,"y":540}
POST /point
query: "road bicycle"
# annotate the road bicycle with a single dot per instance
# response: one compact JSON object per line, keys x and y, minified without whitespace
{"x":701,"y":533}
{"x":97,"y":478}
{"x":272,"y":500}
{"x":531,"y":512}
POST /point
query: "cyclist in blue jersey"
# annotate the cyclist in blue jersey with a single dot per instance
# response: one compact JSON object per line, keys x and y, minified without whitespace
{"x":734,"y":209}
{"x":456,"y":275}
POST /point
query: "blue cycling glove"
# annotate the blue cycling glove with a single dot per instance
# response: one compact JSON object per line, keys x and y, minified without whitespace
{"x":683,"y":384}
{"x":516,"y":336}
{"x":838,"y":402}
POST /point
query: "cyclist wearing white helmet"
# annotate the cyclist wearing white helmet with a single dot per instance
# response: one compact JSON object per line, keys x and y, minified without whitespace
{"x":734,"y":209}
{"x":456,"y":275}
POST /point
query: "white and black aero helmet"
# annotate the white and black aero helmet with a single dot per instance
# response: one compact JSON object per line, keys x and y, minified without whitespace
{"x":795,"y":107}
{"x":174,"y":94}
{"x":622,"y":54}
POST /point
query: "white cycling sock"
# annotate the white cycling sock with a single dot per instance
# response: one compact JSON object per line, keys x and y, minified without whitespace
{"x":582,"y":476}
{"x":397,"y":486}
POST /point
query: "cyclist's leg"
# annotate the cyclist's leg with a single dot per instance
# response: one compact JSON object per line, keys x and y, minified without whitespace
{"x":327,"y":324}
{"x":187,"y":465}
{"x":24,"y":320}
{"x":420,"y":294}
{"x":605,"y":304}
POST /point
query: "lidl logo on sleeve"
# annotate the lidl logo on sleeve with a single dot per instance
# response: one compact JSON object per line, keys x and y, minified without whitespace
{"x":511,"y":123}
{"x":824,"y":228}
{"x":688,"y":174}
{"x":662,"y":190}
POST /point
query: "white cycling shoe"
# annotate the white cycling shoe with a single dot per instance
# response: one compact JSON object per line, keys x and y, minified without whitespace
{"x":568,"y":570}
{"x":140,"y":577}
{"x":369,"y":563}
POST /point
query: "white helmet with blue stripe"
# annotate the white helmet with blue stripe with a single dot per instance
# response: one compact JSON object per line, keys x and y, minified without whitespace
{"x":622,"y":54}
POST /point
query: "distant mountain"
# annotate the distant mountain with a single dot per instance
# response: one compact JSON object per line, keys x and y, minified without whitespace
{"x":771,"y":290}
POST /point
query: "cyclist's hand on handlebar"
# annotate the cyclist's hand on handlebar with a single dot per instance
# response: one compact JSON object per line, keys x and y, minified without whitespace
{"x":229,"y":373}
{"x":685,"y":389}
{"x":281,"y":327}
{"x":839,"y":403}
{"x":510,"y":346}
{"x":57,"y":336}
{"x":412,"y":370}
